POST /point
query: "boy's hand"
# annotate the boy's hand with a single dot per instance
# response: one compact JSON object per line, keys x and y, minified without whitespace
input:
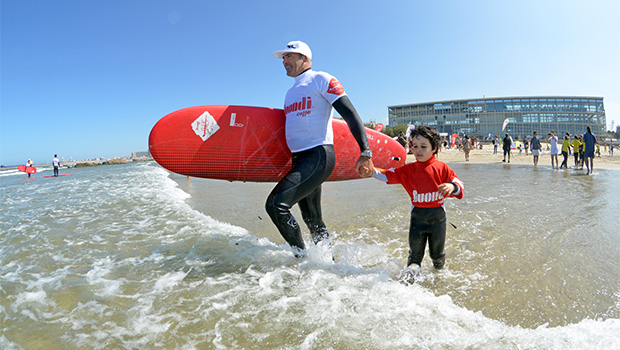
{"x":446,"y":188}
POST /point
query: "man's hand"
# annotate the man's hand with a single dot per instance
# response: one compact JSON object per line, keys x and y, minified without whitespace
{"x":364,"y":166}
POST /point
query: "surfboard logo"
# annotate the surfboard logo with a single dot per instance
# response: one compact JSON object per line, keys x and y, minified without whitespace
{"x":205,"y":126}
{"x":335,"y":87}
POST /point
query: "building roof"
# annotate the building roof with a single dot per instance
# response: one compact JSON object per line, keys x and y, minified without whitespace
{"x":499,"y":98}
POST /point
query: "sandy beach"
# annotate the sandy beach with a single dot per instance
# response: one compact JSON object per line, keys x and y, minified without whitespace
{"x":486,"y":155}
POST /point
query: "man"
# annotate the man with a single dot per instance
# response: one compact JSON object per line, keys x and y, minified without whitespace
{"x":29,"y":163}
{"x":309,"y":106}
{"x":535,"y":148}
{"x":402,"y":140}
{"x":507,"y":143}
{"x":56,"y":164}
{"x":589,"y":139}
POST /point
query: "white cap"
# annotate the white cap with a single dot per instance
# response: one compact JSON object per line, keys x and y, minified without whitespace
{"x":297,"y":47}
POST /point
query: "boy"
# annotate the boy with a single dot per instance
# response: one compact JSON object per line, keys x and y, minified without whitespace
{"x":428,"y":182}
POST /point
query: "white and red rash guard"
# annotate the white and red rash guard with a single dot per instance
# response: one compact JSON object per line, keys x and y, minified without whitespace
{"x":421,"y":180}
{"x":309,"y":112}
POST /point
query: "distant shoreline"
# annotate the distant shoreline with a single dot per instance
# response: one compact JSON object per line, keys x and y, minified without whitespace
{"x":87,"y":163}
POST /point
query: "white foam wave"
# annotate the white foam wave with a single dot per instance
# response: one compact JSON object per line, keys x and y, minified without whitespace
{"x":124,"y":262}
{"x":11,"y":172}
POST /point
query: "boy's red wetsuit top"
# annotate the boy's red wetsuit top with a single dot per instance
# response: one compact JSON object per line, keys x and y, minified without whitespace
{"x":422,"y":179}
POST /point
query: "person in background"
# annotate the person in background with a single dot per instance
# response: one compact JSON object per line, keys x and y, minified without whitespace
{"x":576,"y":144}
{"x":428,"y":182}
{"x":308,"y":106}
{"x":581,"y":148}
{"x":56,"y":164}
{"x":553,"y":141}
{"x":495,"y":144}
{"x":29,"y":163}
{"x":402,"y":140}
{"x":466,"y":147}
{"x":565,"y":150}
{"x":589,"y":140}
{"x":506,"y":144}
{"x":526,"y":144}
{"x":535,"y":148}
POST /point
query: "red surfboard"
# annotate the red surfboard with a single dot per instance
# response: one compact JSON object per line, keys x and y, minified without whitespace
{"x":27,"y":169}
{"x":57,"y":175}
{"x":241,"y":143}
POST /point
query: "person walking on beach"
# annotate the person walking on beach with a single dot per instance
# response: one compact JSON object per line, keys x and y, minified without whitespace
{"x":535,"y":148}
{"x":589,"y":139}
{"x":565,"y":150}
{"x":581,"y":148}
{"x":526,"y":145}
{"x":428,"y":182}
{"x":402,"y":140}
{"x":576,"y":144}
{"x":308,"y":107}
{"x":495,"y":144}
{"x":553,"y":141}
{"x":56,"y":164}
{"x":466,"y":147}
{"x":506,"y":144}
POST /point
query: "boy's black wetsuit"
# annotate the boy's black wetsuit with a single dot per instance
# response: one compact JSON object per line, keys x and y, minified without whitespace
{"x":427,"y":224}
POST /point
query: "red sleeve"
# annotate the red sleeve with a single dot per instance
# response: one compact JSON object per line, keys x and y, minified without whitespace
{"x":396,"y":176}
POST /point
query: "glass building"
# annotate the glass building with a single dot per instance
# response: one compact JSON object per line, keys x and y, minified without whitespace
{"x":485,"y":116}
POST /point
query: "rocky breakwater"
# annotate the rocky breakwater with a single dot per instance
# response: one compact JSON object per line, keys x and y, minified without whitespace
{"x":112,"y":161}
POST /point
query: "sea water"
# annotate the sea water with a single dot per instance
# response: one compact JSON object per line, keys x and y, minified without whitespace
{"x":133,"y":257}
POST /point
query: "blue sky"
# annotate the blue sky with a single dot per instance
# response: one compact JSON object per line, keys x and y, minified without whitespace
{"x":90,"y":78}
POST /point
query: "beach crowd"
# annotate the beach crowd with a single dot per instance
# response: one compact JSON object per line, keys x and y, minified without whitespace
{"x":571,"y":147}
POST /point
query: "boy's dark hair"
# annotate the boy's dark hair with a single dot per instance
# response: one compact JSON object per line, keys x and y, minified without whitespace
{"x":431,"y":134}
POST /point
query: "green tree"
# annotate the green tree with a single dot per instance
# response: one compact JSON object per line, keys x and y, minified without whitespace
{"x":400,"y":127}
{"x":388,"y":130}
{"x":394,"y":131}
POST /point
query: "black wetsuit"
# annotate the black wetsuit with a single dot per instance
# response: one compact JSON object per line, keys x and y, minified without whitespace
{"x":427,"y":224}
{"x":302,"y":184}
{"x":506,"y":145}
